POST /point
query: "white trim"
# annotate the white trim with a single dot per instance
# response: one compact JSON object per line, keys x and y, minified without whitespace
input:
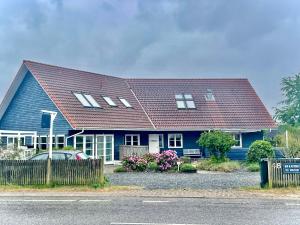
{"x":162,"y":140}
{"x":131,"y":135}
{"x":181,"y":146}
{"x":104,"y":149}
{"x":241,"y":140}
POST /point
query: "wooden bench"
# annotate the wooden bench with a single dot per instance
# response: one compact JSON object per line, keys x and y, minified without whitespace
{"x":192,"y":152}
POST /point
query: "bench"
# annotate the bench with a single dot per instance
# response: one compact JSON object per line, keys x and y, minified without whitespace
{"x":192,"y":152}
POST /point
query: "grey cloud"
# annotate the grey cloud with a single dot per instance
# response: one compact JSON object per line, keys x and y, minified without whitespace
{"x":172,"y":38}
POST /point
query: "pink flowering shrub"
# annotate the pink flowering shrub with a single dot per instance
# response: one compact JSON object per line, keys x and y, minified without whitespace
{"x":134,"y":163}
{"x":166,"y":160}
{"x":150,"y":157}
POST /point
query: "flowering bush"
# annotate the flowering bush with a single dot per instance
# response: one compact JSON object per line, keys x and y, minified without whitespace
{"x":134,"y":163}
{"x":166,"y":160}
{"x":150,"y":157}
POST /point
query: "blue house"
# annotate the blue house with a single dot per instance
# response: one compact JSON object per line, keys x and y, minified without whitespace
{"x":104,"y":115}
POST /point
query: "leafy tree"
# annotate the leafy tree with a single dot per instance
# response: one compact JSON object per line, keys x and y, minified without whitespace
{"x":217,"y":142}
{"x":259,"y":150}
{"x":293,"y":149}
{"x":289,"y":112}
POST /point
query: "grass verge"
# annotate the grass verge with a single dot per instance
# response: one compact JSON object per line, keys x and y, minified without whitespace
{"x":252,"y":167}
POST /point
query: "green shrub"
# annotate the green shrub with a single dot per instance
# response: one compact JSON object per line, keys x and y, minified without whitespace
{"x":187,"y":168}
{"x":185,"y":159}
{"x":252,"y":167}
{"x":258,"y":150}
{"x":134,"y":163}
{"x":120,"y":169}
{"x":68,"y":148}
{"x":149,"y":157}
{"x":218,"y":143}
{"x":152,"y":166}
{"x":213,"y":165}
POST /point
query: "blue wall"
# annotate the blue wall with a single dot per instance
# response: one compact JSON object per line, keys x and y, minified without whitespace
{"x":189,"y":141}
{"x":24,"y":111}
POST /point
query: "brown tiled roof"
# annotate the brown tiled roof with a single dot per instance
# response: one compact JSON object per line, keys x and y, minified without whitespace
{"x":154,"y":107}
{"x":60,"y":83}
{"x":236,"y":104}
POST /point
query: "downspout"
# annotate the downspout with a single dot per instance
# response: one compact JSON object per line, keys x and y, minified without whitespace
{"x":74,"y":135}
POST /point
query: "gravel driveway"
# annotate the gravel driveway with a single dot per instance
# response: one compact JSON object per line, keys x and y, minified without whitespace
{"x":200,"y":180}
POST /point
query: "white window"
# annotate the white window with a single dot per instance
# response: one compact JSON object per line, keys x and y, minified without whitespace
{"x":85,"y":143}
{"x":175,"y":141}
{"x":125,"y":102}
{"x":238,"y":138}
{"x":92,"y":101}
{"x":60,"y":143}
{"x":161,"y":141}
{"x":132,"y":139}
{"x":185,"y":101}
{"x":83,"y":100}
{"x":209,"y":95}
{"x":109,"y":101}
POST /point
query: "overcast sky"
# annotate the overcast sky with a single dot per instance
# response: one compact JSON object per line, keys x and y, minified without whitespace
{"x":256,"y":39}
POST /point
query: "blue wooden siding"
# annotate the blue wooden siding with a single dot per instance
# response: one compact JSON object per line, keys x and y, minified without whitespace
{"x":189,"y":141}
{"x":24,"y":111}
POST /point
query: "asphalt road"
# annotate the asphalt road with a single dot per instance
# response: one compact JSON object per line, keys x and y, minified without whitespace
{"x":150,"y":211}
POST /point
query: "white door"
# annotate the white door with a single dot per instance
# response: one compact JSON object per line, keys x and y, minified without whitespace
{"x":154,"y":143}
{"x":105,"y":148}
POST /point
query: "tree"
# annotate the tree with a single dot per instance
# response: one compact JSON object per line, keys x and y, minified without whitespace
{"x":258,"y":150}
{"x":217,"y":142}
{"x":289,"y":110}
{"x":292,"y":148}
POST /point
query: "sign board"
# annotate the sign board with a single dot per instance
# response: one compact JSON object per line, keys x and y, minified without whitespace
{"x":291,"y":168}
{"x":46,"y":120}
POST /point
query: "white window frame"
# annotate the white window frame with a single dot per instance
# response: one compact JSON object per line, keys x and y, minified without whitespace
{"x":241,"y":143}
{"x":84,"y":143}
{"x":42,"y":143}
{"x":92,"y":101}
{"x":131,"y":135}
{"x":162,"y":140}
{"x":82,"y":99}
{"x":169,"y":135}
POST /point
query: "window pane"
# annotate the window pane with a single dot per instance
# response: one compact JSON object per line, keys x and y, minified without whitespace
{"x":109,"y":101}
{"x":188,"y":97}
{"x":58,"y":156}
{"x":135,"y":138}
{"x":135,"y":143}
{"x":172,"y":143}
{"x":82,"y":99}
{"x":125,"y":102}
{"x":180,"y":104}
{"x":92,"y":101}
{"x":161,"y":140}
{"x":191,"y":104}
{"x":128,"y":140}
{"x":61,"y":140}
{"x":178,"y":143}
{"x":178,"y":136}
{"x":178,"y":96}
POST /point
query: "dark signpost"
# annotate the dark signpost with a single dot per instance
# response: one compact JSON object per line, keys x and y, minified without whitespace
{"x":291,"y":168}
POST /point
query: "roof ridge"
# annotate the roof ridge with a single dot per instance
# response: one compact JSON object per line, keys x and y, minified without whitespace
{"x":204,"y":78}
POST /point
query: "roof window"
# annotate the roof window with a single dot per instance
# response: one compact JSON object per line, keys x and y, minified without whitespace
{"x":209,"y":95}
{"x":87,"y":100}
{"x":109,"y":101}
{"x":125,"y":103}
{"x":185,"y":101}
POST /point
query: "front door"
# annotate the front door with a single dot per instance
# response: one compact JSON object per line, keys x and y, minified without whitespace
{"x":105,"y":148}
{"x":154,"y":143}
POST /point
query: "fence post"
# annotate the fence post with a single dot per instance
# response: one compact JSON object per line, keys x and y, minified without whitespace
{"x":49,"y":169}
{"x":270,"y":174}
{"x":101,"y":178}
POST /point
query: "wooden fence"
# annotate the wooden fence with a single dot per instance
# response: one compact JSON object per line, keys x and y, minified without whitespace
{"x":64,"y":172}
{"x":130,"y":150}
{"x":282,"y":172}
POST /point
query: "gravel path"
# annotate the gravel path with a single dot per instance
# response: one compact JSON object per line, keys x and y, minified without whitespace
{"x":200,"y":180}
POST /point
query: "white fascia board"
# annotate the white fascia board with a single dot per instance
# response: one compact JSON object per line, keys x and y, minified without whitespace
{"x":13,"y":89}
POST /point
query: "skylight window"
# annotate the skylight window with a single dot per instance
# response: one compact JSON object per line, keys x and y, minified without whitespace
{"x":209,"y":95}
{"x":125,"y":102}
{"x":185,"y":101}
{"x":92,"y":101}
{"x":82,"y":99}
{"x":109,"y":101}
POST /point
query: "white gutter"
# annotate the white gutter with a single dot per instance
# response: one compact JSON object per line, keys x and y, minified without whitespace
{"x":74,"y":135}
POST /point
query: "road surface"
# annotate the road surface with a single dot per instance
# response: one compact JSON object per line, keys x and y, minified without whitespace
{"x":146,"y":211}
